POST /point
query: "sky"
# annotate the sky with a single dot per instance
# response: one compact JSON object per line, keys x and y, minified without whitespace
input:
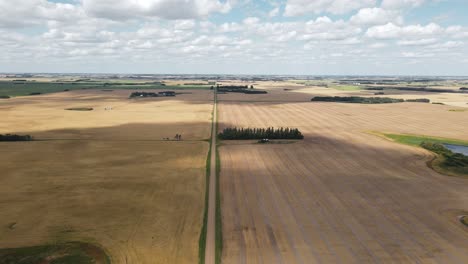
{"x":297,"y":37}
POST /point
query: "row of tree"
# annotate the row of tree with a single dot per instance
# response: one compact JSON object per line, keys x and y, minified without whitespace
{"x":260,"y":133}
{"x":10,"y":137}
{"x":357,"y":99}
{"x":366,"y":100}
{"x":152,"y":94}
{"x":420,"y":100}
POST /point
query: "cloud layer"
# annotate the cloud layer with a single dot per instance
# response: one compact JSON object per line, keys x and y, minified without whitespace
{"x":298,"y":36}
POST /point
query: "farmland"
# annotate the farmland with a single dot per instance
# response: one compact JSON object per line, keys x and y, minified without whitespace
{"x":341,"y":195}
{"x":40,"y":86}
{"x":106,"y":178}
{"x":104,"y":173}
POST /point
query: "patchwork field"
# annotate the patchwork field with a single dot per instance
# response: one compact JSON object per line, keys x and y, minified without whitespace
{"x":106,"y":177}
{"x":104,"y":172}
{"x":341,"y":195}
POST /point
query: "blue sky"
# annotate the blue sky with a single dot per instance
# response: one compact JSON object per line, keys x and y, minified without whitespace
{"x":313,"y":37}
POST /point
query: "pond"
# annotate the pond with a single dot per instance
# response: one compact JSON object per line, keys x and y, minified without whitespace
{"x":457,"y":149}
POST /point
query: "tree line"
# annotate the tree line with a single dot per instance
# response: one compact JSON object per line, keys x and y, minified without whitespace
{"x":420,"y":100}
{"x":366,"y":100}
{"x":357,"y":99}
{"x":260,"y":133}
{"x":10,"y":137}
{"x":152,"y":94}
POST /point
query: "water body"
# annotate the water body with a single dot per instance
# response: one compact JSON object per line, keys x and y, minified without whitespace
{"x":458,"y":149}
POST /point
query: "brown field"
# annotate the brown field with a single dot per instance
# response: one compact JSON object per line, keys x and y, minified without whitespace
{"x":106,"y":177}
{"x":341,"y":195}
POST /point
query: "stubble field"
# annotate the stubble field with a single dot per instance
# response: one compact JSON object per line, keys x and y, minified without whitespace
{"x":106,"y":177}
{"x":341,"y":195}
{"x":110,"y":178}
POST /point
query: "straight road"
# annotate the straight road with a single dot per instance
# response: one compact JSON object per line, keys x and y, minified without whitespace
{"x":210,"y":248}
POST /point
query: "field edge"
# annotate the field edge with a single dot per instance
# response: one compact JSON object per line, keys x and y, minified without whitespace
{"x":415,"y":141}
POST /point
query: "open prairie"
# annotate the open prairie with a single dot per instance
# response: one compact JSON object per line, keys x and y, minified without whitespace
{"x":341,"y":195}
{"x":106,"y":177}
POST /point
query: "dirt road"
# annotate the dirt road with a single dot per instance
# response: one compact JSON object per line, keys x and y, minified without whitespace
{"x":211,"y":224}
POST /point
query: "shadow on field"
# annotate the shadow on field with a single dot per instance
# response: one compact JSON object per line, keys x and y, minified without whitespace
{"x":345,"y":189}
{"x":190,"y":131}
{"x":366,"y":155}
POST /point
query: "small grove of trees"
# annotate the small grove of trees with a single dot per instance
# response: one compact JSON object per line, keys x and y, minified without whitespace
{"x":4,"y":97}
{"x":260,"y":133}
{"x":232,"y":86}
{"x":151,"y":94}
{"x":422,"y":100}
{"x":255,"y":92}
{"x":143,"y":94}
{"x":10,"y":137}
{"x":240,"y":89}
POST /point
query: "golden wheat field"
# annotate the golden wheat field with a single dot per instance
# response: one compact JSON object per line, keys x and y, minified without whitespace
{"x":341,"y":195}
{"x":106,"y":177}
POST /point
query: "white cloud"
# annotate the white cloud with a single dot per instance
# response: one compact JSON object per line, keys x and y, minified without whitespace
{"x":251,"y":20}
{"x":181,"y":32}
{"x":391,"y":31}
{"x":229,"y":27}
{"x":274,"y":12}
{"x":376,"y":16}
{"x":323,"y":28}
{"x":417,"y":55}
{"x":378,"y":45}
{"x":457,"y":32}
{"x":184,"y":24}
{"x":21,"y":13}
{"x":447,"y":45}
{"x":168,"y":9}
{"x":387,"y":31}
{"x":418,"y":42}
{"x":399,"y":4}
{"x":302,"y":7}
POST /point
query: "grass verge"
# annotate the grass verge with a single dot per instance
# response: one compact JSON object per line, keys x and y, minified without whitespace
{"x":347,"y":87}
{"x":202,"y":239}
{"x":416,"y":140}
{"x":218,"y":216}
{"x":219,"y":227}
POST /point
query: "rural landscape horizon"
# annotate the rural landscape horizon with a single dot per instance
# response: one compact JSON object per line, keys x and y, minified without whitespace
{"x":233,"y":131}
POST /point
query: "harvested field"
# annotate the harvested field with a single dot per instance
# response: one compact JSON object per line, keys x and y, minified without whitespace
{"x":341,"y":195}
{"x":106,"y":177}
{"x":45,"y":116}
